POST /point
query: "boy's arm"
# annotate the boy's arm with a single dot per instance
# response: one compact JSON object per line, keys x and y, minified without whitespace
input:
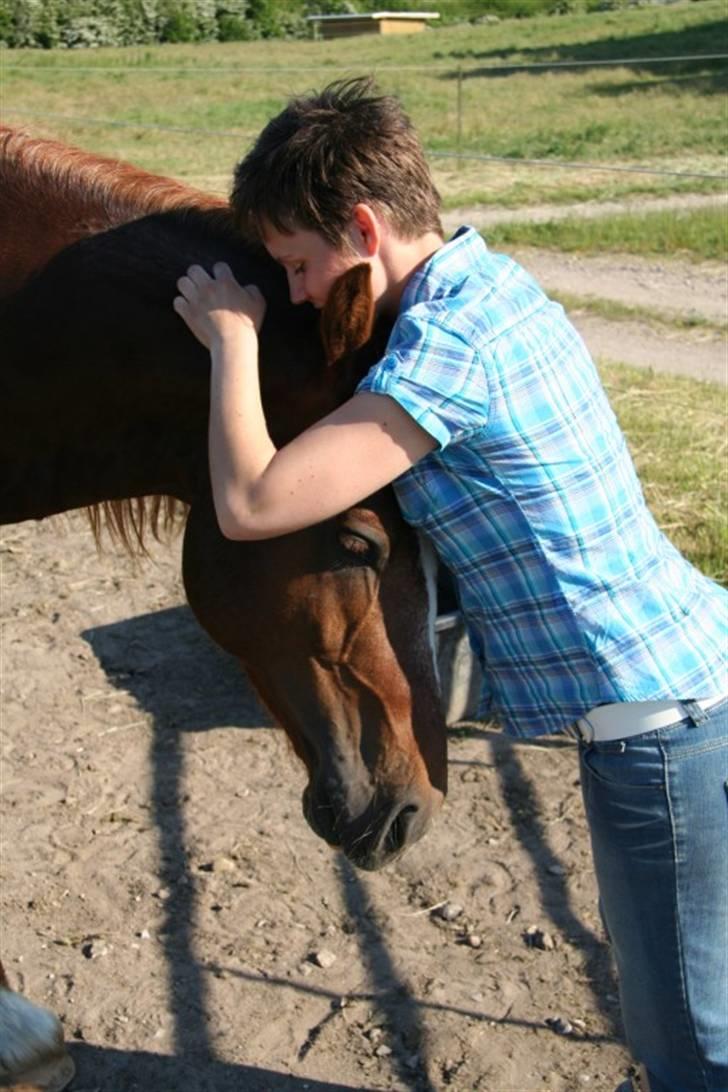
{"x":260,"y":492}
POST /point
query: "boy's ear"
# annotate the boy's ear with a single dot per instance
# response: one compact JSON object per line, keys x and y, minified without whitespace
{"x":347,"y":317}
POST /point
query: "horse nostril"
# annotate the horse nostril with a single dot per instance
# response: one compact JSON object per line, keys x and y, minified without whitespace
{"x":396,"y":837}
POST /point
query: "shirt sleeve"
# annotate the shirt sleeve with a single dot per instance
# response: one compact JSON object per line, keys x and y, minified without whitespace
{"x":435,"y":376}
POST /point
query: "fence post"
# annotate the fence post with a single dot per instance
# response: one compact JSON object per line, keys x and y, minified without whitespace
{"x":459,"y":139}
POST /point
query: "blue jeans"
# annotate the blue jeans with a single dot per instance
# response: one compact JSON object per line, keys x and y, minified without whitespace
{"x":657,"y":807}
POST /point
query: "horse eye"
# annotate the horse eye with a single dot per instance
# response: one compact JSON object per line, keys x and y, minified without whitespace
{"x":355,"y":544}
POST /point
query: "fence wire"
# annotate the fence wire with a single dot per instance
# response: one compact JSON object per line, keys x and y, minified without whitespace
{"x":140,"y":67}
{"x":459,"y":71}
{"x":556,"y":164}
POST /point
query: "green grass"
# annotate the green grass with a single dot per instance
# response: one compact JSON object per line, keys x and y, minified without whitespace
{"x":676,"y":431}
{"x":699,"y":235}
{"x":667,"y":117}
{"x":614,"y":311}
{"x":556,"y":187}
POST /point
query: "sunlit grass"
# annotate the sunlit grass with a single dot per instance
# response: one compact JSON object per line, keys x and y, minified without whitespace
{"x":669,"y":118}
{"x":615,"y":311}
{"x":698,"y":234}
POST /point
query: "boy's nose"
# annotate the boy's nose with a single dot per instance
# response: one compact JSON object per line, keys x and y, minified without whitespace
{"x":297,"y":290}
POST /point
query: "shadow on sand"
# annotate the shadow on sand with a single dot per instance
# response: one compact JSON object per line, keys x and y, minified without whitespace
{"x":186,"y":683}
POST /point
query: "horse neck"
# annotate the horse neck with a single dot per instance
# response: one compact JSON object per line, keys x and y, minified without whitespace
{"x":105,"y":392}
{"x":51,"y":195}
{"x":77,"y":436}
{"x":107,"y":396}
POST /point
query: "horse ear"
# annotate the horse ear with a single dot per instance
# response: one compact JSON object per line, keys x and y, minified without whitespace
{"x":348,"y":314}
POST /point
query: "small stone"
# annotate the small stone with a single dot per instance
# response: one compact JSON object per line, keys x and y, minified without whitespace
{"x":223,"y":864}
{"x":539,"y":938}
{"x":473,"y":940}
{"x":323,"y":958}
{"x":556,"y":870}
{"x":383,"y":1051}
{"x":449,"y":911}
{"x":559,"y":1025}
{"x":144,"y":935}
{"x":93,"y":949}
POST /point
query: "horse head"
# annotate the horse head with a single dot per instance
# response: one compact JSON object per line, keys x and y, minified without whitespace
{"x":342,"y":650}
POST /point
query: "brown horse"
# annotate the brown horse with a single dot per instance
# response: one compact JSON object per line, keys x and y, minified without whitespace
{"x":104,"y":399}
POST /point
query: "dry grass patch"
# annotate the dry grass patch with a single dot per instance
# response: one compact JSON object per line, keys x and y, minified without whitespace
{"x":676,"y":430}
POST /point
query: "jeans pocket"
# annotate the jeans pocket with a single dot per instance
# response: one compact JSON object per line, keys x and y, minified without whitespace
{"x":630,"y":764}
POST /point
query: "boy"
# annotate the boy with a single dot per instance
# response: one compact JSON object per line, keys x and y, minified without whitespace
{"x":487,"y":414}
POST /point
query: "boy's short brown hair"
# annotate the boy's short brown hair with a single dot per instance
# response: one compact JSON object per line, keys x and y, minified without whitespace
{"x":326,"y":153}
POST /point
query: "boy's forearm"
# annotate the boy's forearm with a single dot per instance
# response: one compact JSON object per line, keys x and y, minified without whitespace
{"x":240,"y":448}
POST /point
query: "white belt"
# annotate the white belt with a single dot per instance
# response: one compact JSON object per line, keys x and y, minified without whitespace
{"x":630,"y":718}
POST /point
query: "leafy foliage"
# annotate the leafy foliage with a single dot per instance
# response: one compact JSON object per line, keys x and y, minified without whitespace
{"x":74,"y":24}
{"x":49,"y":24}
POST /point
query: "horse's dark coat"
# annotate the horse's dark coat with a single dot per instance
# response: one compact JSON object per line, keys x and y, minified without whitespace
{"x":104,"y":396}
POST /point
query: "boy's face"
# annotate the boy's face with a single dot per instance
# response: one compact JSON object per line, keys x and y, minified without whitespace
{"x":312,"y":264}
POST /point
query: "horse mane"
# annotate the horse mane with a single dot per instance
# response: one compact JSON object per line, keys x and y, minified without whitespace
{"x":86,"y":194}
{"x":127,"y":521}
{"x":108,"y":191}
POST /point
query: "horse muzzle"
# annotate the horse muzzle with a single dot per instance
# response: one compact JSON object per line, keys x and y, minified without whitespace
{"x":377,"y":833}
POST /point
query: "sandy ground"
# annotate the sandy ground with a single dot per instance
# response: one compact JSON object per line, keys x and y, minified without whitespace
{"x":162,"y":893}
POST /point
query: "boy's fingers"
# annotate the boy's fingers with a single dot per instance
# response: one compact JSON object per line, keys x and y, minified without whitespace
{"x":254,"y":292}
{"x":222,"y":269}
{"x":197,"y":274}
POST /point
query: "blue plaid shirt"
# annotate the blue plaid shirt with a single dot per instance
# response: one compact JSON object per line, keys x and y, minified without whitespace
{"x":572,"y":595}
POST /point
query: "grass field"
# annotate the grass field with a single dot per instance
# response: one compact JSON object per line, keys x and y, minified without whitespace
{"x":670,"y":117}
{"x":700,"y":235}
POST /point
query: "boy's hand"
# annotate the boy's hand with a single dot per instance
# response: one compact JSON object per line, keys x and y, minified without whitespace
{"x":215,"y":307}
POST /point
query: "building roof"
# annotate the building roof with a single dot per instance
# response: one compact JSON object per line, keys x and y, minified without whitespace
{"x":377,"y":15}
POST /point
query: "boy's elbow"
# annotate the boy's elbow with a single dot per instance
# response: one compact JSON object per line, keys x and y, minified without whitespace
{"x":237,"y":525}
{"x":235,"y":532}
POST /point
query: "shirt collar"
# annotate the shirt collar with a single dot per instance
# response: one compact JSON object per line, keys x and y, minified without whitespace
{"x":445,"y":268}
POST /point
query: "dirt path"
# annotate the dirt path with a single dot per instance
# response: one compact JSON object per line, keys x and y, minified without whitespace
{"x":588,"y":210}
{"x":677,"y":288}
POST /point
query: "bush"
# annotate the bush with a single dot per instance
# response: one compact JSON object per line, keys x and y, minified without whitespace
{"x":231,"y":28}
{"x":77,"y":23}
{"x":179,"y":26}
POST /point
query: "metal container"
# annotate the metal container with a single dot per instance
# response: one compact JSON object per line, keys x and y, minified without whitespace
{"x":460,"y":674}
